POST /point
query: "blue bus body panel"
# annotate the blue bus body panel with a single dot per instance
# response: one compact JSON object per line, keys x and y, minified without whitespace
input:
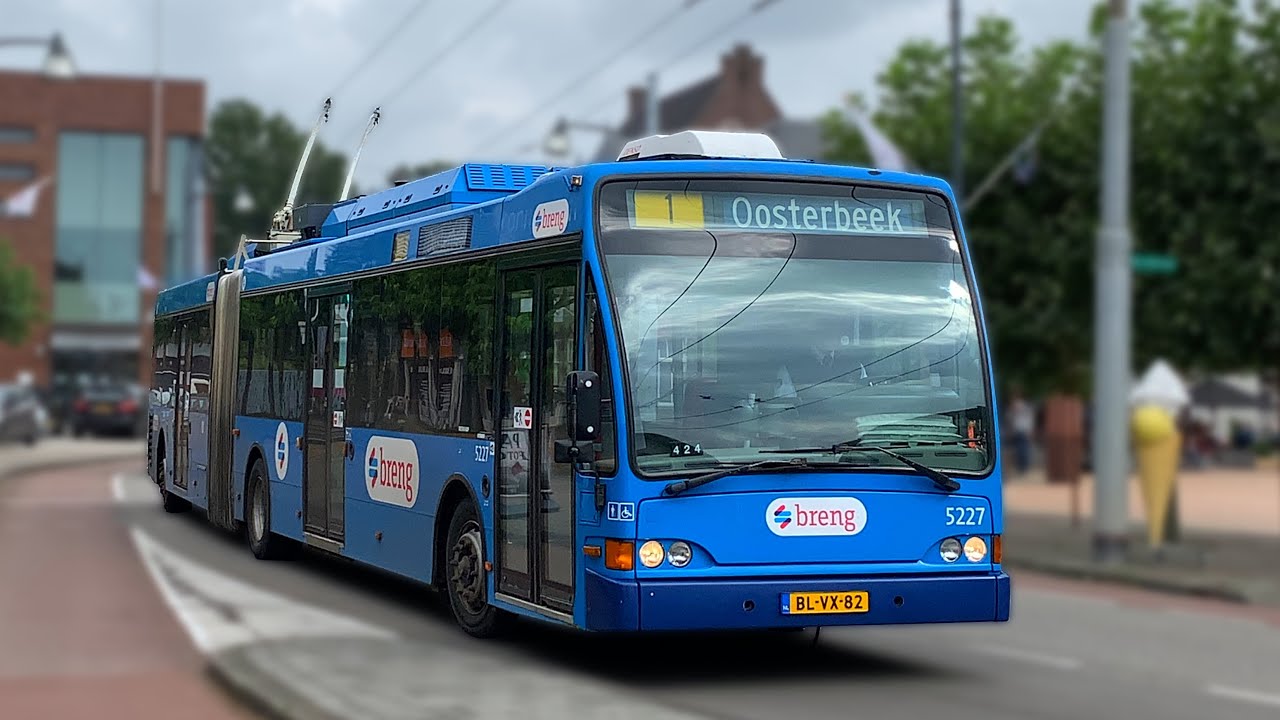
{"x":408,"y":530}
{"x":737,"y":556}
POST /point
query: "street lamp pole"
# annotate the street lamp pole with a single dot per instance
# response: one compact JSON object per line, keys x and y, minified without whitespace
{"x":957,"y":107}
{"x":1113,"y":301}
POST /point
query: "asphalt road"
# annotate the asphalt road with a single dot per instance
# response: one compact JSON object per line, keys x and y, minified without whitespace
{"x":1072,"y":650}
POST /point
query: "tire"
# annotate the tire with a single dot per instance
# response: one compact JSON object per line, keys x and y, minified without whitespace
{"x":466,"y":581}
{"x":264,"y":544}
{"x":170,"y":502}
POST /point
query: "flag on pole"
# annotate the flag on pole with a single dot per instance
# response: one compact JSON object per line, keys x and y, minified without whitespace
{"x":884,"y":154}
{"x":22,"y":204}
{"x":146,"y":280}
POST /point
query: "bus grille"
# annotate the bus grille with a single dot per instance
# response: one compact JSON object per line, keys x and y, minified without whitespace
{"x":448,"y":236}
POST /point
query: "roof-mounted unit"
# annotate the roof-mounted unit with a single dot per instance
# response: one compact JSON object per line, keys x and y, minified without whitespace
{"x":702,"y":144}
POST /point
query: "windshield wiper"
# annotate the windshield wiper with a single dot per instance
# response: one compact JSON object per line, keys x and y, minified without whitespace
{"x":943,"y":481}
{"x":679,"y":486}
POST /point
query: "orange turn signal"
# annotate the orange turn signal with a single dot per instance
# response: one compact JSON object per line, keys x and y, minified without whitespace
{"x":619,"y":555}
{"x":591,"y":551}
{"x":997,"y":549}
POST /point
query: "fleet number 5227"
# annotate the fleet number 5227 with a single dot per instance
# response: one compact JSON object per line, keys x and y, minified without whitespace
{"x":965,"y":515}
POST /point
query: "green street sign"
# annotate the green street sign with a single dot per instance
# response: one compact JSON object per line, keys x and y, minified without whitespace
{"x":1154,"y":264}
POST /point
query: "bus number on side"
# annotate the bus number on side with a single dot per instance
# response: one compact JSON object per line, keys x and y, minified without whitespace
{"x":965,"y":516}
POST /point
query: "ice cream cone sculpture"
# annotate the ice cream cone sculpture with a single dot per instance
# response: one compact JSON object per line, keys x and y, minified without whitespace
{"x":1157,"y":444}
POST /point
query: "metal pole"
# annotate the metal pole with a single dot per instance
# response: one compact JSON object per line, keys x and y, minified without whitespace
{"x":651,"y":106}
{"x":957,"y":107}
{"x":1112,"y":307}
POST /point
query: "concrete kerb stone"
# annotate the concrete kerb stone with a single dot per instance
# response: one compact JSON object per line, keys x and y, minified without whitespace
{"x":325,"y":678}
{"x":1136,"y":577}
{"x":235,"y":672}
{"x":10,"y":469}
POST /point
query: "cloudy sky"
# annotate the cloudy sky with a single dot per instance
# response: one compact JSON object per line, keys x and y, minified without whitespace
{"x":484,"y":79}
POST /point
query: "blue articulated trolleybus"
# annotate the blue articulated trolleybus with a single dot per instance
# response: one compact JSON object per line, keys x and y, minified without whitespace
{"x":701,"y":387}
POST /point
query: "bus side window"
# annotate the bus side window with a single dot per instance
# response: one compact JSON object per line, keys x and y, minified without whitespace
{"x":598,"y":361}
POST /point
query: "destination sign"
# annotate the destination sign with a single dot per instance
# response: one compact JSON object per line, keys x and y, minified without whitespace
{"x":780,"y":213}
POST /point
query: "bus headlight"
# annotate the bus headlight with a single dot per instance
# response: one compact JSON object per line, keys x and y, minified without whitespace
{"x":651,"y":554}
{"x":950,"y":550}
{"x":975,"y":549}
{"x":680,"y":553}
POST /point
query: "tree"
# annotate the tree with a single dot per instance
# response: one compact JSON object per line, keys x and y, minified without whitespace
{"x":258,"y":154}
{"x":19,"y":300}
{"x":1206,"y":140}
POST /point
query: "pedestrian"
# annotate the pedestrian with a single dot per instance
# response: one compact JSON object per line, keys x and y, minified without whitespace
{"x":1022,"y":421}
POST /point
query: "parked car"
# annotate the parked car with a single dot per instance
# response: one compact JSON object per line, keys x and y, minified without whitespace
{"x":22,"y":417}
{"x":116,"y":408}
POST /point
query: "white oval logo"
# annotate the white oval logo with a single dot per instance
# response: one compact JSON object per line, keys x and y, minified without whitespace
{"x":550,"y":218}
{"x":391,"y":471}
{"x":816,"y":516}
{"x":282,"y":451}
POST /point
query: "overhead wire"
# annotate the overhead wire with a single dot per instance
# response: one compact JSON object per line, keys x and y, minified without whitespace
{"x":578,"y":82}
{"x":755,"y":9}
{"x":399,"y":26}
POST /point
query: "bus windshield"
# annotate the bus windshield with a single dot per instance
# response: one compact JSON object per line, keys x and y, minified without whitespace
{"x":770,"y":316}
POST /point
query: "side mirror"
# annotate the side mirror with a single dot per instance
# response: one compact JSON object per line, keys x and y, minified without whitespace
{"x":582,"y":394}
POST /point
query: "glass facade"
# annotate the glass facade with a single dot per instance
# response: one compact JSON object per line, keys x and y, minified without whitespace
{"x":182,"y":221}
{"x":99,"y":228}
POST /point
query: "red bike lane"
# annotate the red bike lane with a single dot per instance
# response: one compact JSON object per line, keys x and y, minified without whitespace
{"x":83,"y":630}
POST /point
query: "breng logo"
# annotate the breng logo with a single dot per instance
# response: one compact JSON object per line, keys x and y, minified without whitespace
{"x":782,"y":516}
{"x":282,"y":451}
{"x":789,"y":517}
{"x":550,"y":218}
{"x":391,"y":471}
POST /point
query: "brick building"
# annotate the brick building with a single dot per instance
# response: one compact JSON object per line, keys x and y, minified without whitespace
{"x":103,"y":197}
{"x":735,"y":98}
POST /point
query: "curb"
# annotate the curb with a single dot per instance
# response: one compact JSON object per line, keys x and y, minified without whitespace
{"x":53,"y":465}
{"x":257,"y":692}
{"x":1216,"y":590}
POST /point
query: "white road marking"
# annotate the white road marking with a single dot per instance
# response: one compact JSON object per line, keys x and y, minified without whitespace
{"x":1057,"y":662}
{"x":1249,"y":696}
{"x":117,"y":487}
{"x":219,"y":611}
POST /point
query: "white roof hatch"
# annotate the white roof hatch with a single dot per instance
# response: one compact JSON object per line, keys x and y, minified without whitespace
{"x":703,"y":143}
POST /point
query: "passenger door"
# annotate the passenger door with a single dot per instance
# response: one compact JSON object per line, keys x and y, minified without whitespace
{"x":535,"y":525}
{"x":182,"y":402}
{"x":324,"y":482}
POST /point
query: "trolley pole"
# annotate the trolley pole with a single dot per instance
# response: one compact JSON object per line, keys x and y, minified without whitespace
{"x":1112,"y":307}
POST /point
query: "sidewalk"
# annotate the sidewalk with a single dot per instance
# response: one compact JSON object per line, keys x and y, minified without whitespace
{"x":1229,"y":547}
{"x":58,"y":452}
{"x":84,"y":633}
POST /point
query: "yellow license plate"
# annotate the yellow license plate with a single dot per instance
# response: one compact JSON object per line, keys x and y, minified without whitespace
{"x":103,"y":409}
{"x":826,"y":603}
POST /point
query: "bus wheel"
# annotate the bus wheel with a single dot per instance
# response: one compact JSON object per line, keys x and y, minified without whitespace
{"x":262,"y":542}
{"x":170,"y":502}
{"x":465,"y":574}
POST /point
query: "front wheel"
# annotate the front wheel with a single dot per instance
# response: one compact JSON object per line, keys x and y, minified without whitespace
{"x":264,"y":544}
{"x":466,"y":578}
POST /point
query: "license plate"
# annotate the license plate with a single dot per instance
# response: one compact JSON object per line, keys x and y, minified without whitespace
{"x":826,"y":603}
{"x":103,"y":409}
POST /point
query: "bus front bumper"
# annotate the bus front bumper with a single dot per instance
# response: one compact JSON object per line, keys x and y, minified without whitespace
{"x":741,"y":604}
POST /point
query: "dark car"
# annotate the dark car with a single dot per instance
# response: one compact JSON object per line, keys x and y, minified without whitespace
{"x":20,"y":414}
{"x":109,"y":409}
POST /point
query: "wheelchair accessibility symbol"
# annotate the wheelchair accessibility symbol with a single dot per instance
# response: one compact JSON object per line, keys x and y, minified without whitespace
{"x":625,"y":512}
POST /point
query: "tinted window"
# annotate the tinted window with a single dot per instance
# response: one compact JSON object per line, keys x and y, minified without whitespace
{"x":598,"y":361}
{"x":271,"y":377}
{"x":421,"y":343}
